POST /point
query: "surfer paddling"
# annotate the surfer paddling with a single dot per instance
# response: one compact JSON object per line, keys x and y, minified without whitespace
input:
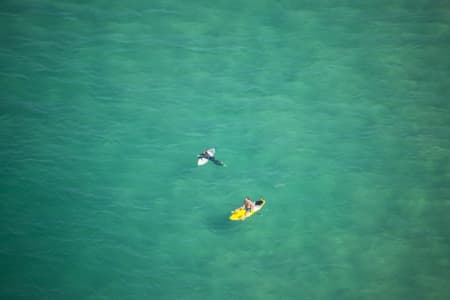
{"x":208,"y":155}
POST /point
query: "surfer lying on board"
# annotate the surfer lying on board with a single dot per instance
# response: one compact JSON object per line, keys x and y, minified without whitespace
{"x":209,"y":155}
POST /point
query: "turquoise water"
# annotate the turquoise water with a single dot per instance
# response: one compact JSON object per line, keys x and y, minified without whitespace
{"x":336,"y":112}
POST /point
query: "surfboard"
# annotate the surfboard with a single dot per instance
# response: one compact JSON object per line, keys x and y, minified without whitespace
{"x":211,"y":152}
{"x":240,"y":213}
{"x":202,"y":161}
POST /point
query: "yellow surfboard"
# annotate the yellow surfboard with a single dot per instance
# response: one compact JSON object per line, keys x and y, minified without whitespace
{"x":240,"y":213}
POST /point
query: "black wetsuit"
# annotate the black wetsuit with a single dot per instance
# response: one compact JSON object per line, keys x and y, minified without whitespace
{"x":211,"y":158}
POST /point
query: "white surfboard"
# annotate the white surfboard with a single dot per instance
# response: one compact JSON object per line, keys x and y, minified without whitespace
{"x":211,"y":151}
{"x":202,"y":161}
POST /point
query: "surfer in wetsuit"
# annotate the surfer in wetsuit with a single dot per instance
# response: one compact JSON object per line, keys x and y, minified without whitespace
{"x":206,"y":155}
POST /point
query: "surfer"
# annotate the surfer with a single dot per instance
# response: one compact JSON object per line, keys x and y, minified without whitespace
{"x":204,"y":154}
{"x":248,"y":209}
{"x":209,"y":155}
{"x":248,"y":205}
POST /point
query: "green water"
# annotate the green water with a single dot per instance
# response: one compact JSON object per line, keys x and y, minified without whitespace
{"x":336,"y":112}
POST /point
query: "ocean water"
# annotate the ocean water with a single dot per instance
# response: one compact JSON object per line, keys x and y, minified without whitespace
{"x":336,"y":112}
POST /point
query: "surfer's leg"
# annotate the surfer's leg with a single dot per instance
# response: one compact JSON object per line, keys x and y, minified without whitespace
{"x":217,"y":162}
